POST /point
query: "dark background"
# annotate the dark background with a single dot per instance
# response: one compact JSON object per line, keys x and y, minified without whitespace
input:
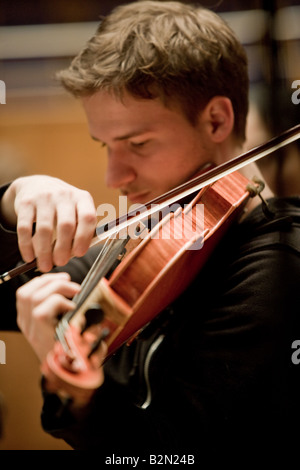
{"x":20,"y":12}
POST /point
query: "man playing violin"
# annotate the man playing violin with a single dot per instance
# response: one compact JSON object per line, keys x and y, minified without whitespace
{"x":164,"y":87}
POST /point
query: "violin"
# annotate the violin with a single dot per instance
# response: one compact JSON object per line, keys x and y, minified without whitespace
{"x":150,"y":276}
{"x":135,"y":278}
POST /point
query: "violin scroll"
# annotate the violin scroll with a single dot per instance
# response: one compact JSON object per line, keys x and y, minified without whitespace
{"x":72,"y":368}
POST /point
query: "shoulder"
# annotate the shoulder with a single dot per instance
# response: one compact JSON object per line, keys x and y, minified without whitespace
{"x":255,"y":267}
{"x":279,"y":228}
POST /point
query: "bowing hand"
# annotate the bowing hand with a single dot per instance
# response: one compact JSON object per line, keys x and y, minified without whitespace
{"x":45,"y":209}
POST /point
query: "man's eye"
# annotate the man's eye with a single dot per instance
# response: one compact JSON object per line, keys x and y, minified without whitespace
{"x":138,"y":144}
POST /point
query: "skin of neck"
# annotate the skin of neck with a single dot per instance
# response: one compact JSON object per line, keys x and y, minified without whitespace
{"x":231,"y":148}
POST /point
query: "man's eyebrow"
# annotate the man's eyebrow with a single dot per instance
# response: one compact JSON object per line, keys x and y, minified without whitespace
{"x":130,"y":135}
{"x":123,"y":137}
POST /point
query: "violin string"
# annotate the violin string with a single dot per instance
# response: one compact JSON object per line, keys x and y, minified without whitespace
{"x":63,"y":324}
{"x":80,"y":297}
{"x":94,"y":267}
{"x":100,"y":268}
{"x":102,"y":265}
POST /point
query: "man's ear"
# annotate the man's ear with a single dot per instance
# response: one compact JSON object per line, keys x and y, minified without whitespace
{"x":218,"y":116}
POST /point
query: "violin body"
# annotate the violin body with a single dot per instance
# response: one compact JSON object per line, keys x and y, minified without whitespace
{"x":148,"y":279}
{"x":159,"y":269}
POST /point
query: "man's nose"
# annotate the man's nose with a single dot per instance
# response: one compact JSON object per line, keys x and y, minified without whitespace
{"x":119,"y":172}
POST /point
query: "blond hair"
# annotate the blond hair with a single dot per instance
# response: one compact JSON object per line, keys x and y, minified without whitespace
{"x":166,"y":49}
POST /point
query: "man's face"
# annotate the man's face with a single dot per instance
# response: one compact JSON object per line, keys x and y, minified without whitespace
{"x":151,"y":149}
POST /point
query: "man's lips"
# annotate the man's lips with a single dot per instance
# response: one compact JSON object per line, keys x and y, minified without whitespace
{"x":141,"y":197}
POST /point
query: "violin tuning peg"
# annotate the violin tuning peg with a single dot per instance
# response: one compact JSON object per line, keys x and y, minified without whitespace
{"x":93,"y":315}
{"x":105,"y":332}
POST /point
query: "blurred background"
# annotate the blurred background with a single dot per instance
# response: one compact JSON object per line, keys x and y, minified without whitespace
{"x":43,"y":131}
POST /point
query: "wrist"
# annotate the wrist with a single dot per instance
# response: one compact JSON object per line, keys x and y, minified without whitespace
{"x":8,"y":217}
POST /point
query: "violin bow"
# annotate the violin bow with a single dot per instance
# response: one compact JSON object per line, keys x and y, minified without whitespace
{"x":180,"y":192}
